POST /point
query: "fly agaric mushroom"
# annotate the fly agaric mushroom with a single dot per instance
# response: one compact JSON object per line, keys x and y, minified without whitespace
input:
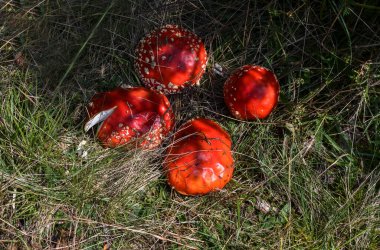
{"x":170,"y":58}
{"x":129,"y":114}
{"x":199,"y":160}
{"x":251,"y":92}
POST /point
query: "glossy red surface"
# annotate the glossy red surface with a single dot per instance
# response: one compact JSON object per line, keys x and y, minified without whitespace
{"x":141,"y":115}
{"x":199,"y":160}
{"x":170,"y":58}
{"x":251,"y":92}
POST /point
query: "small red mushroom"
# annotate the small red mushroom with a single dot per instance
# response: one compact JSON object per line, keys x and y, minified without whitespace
{"x":170,"y":58}
{"x":199,"y":160}
{"x":130,"y":114}
{"x":251,"y":92}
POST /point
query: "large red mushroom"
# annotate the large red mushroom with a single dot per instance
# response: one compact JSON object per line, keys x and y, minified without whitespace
{"x":170,"y":58}
{"x":133,"y":114}
{"x":199,"y":160}
{"x":251,"y":92}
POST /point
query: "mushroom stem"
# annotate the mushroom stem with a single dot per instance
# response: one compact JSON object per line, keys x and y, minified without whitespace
{"x":101,"y":116}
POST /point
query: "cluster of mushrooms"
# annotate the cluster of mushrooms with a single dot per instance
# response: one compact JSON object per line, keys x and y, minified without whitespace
{"x":168,"y":60}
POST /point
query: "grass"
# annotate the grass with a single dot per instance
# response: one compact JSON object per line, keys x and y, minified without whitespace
{"x":305,"y":178}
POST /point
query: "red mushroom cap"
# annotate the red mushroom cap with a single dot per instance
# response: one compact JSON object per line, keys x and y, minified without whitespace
{"x":199,"y":160}
{"x":251,"y":92}
{"x":129,"y":114}
{"x":170,"y":58}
